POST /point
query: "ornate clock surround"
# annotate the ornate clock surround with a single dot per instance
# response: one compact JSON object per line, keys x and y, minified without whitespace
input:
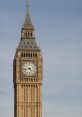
{"x":32,"y":61}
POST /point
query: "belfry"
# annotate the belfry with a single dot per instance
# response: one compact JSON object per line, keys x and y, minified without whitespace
{"x":28,"y":73}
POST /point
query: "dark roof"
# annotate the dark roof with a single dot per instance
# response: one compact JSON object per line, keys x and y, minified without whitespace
{"x":28,"y":44}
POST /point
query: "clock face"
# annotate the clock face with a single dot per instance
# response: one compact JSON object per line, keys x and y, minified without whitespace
{"x":29,"y":69}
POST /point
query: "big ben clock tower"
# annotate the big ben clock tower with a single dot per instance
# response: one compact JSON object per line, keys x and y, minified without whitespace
{"x":27,"y":73}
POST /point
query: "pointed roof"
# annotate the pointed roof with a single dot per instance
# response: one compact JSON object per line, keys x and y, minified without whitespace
{"x":28,"y":23}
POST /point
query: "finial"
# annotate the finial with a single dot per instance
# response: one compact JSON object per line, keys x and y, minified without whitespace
{"x":27,"y":4}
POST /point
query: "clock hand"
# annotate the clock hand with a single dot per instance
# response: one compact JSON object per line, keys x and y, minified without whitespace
{"x":29,"y":68}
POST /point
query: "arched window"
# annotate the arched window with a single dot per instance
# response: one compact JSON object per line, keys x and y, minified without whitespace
{"x":24,"y":54}
{"x":28,"y":54}
{"x":25,"y":34}
{"x":31,"y":34}
{"x":35,"y":54}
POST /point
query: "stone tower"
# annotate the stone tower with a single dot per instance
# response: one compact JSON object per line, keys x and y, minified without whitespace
{"x":27,"y":73}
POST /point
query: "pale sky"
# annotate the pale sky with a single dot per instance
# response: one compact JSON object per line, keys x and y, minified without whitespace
{"x":58,"y":25}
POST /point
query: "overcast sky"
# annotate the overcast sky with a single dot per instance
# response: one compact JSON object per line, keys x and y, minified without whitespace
{"x":58,"y":25}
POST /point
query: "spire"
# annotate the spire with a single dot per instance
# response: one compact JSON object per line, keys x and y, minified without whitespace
{"x":27,"y":23}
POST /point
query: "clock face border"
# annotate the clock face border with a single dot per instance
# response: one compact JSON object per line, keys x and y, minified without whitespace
{"x":29,"y":76}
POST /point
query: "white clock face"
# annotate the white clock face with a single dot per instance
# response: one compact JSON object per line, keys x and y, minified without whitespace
{"x":29,"y":69}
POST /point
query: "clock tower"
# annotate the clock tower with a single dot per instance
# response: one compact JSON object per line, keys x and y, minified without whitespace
{"x":28,"y":73}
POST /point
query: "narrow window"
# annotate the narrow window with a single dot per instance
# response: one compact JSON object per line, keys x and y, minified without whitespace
{"x":31,"y":34}
{"x":35,"y":55}
{"x":28,"y":54}
{"x":24,"y":54}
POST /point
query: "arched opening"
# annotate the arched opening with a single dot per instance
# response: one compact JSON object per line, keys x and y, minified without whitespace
{"x":28,"y":54}
{"x":24,"y":54}
{"x":31,"y":34}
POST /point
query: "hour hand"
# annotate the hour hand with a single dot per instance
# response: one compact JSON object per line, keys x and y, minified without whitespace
{"x":29,"y":68}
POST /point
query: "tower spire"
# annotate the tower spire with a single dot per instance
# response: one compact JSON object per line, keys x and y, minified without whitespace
{"x":27,"y":5}
{"x":27,"y":23}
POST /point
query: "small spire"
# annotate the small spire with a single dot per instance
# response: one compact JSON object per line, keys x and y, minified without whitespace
{"x":27,"y":23}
